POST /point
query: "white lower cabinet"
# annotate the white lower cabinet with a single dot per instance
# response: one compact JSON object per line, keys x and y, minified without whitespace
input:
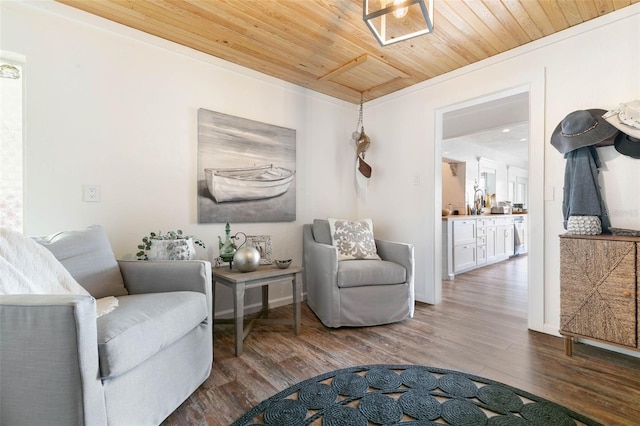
{"x":504,"y":237}
{"x":500,"y":244}
{"x":472,"y":242}
{"x":481,"y":254}
{"x":491,"y":243}
{"x":464,"y":232}
{"x":481,"y":242}
{"x":464,"y":245}
{"x":464,"y":257}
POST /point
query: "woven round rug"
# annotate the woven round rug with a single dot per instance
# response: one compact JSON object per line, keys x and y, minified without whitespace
{"x":406,"y":395}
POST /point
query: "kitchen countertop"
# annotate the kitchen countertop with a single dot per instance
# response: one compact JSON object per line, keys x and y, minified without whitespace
{"x":478,"y":216}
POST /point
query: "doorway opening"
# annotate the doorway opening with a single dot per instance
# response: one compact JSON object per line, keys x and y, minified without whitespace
{"x":487,"y":141}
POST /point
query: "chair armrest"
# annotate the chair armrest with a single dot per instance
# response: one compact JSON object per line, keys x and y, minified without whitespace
{"x":321,"y":277}
{"x":320,"y":260}
{"x":161,"y":276}
{"x":401,"y":253}
{"x":49,"y":369}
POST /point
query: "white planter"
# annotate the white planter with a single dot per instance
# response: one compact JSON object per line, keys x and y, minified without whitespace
{"x":180,"y":249}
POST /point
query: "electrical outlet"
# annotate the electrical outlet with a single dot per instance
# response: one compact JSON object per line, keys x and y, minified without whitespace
{"x":91,"y":193}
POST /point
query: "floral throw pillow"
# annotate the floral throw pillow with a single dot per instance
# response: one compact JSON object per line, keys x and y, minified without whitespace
{"x":353,"y":239}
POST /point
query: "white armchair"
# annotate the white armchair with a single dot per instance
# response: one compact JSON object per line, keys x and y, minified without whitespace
{"x":60,"y":365}
{"x":357,"y":292}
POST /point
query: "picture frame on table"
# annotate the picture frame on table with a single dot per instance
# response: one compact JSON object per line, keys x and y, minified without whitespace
{"x":262,"y":243}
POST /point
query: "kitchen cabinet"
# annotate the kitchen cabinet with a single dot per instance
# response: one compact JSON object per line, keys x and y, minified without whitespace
{"x":464,"y":232}
{"x":481,"y":242}
{"x":470,"y":242}
{"x":504,"y":237}
{"x":599,"y":289}
{"x":464,"y":245}
{"x":464,"y":257}
{"x":491,"y":243}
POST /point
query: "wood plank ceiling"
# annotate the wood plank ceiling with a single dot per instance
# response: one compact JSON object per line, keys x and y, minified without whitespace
{"x":325,"y":46}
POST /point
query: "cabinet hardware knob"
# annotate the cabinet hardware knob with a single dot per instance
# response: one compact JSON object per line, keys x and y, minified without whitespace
{"x":626,"y":293}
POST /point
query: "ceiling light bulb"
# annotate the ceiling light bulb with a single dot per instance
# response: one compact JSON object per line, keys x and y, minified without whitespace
{"x":402,"y":12}
{"x":506,"y":130}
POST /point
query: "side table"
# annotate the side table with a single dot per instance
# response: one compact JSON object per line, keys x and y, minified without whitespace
{"x":238,"y":282}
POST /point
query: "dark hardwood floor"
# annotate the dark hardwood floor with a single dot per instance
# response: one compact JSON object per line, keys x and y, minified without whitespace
{"x":479,"y":328}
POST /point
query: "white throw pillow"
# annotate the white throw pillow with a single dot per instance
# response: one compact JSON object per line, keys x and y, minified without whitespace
{"x":353,"y":239}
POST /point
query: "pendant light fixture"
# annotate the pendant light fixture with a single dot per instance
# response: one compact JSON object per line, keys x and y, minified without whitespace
{"x":392,"y":21}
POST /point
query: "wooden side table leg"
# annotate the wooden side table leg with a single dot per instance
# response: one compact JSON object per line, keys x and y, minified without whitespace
{"x":238,"y":313}
{"x":265,"y":301}
{"x":568,"y":346}
{"x":213,"y":304}
{"x":297,"y":297}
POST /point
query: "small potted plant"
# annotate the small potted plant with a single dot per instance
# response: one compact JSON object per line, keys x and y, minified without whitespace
{"x":172,"y":245}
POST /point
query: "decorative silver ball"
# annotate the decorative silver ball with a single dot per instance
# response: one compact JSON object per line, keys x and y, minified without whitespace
{"x":246,"y":259}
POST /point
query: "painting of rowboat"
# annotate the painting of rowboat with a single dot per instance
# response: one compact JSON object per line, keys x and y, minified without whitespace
{"x":246,"y":170}
{"x":248,"y":183}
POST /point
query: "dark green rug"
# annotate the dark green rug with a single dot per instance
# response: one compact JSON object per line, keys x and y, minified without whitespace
{"x":406,"y":395}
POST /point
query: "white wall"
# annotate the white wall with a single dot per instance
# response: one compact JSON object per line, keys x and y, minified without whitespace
{"x":110,"y":106}
{"x":593,"y":65}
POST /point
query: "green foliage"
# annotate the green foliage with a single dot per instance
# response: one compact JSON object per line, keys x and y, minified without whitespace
{"x":170,"y":235}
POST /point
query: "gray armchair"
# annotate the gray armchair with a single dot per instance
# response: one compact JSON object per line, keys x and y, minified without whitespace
{"x":357,"y":292}
{"x":59,"y":365}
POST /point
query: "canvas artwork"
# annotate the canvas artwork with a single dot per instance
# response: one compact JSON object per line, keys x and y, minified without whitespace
{"x":246,"y":170}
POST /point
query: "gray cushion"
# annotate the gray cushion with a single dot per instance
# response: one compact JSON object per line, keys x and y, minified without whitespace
{"x":143,"y":324}
{"x":356,"y":273}
{"x":87,"y":255}
{"x":322,"y":231}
